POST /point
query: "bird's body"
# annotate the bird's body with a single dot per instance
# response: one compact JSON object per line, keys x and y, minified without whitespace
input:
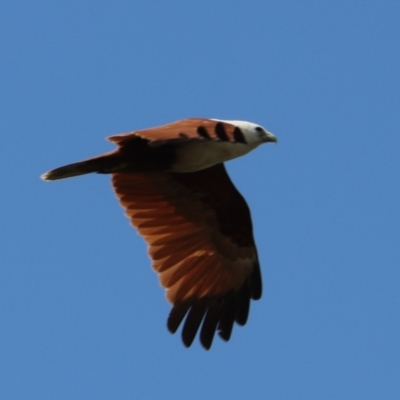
{"x":172,"y":182}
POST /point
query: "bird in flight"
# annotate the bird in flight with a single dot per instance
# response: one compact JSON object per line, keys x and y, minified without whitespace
{"x":175,"y":190}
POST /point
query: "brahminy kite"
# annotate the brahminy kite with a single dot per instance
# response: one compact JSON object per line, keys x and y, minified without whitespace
{"x":172,"y":182}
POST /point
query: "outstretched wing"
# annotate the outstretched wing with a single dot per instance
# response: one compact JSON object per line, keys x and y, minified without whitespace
{"x":187,"y":129}
{"x":199,"y":232}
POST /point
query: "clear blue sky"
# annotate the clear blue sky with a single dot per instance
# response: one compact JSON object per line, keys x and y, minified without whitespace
{"x":82,"y":315}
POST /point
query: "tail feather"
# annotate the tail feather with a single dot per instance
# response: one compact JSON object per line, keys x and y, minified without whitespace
{"x":102,"y":164}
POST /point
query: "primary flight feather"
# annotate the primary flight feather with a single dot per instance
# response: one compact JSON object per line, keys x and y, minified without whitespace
{"x":172,"y":182}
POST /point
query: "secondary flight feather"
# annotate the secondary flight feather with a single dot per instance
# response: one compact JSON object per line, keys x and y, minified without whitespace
{"x":175,"y":190}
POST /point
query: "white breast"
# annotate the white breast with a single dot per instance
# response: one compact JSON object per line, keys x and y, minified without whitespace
{"x":195,"y":156}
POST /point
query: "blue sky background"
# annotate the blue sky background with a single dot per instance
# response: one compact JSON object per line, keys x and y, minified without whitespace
{"x":82,"y":315}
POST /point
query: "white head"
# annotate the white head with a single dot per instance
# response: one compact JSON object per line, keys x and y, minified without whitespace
{"x":254,"y":134}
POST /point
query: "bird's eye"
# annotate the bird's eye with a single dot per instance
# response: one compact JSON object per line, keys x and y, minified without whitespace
{"x":259,"y":129}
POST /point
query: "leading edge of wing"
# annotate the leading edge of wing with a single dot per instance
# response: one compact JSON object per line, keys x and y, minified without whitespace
{"x":184,"y":130}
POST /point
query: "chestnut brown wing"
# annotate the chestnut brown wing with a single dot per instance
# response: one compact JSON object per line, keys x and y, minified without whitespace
{"x":199,"y":232}
{"x":187,"y":129}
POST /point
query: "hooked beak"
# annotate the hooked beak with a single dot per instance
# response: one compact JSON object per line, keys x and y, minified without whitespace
{"x":270,"y":137}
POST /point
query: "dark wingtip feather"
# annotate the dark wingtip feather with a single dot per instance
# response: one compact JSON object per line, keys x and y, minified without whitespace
{"x":243,"y":304}
{"x":193,"y":321}
{"x":227,"y":318}
{"x":177,"y":314}
{"x":210,"y":324}
{"x":256,"y":281}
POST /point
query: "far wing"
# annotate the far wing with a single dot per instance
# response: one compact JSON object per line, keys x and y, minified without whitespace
{"x":199,"y":232}
{"x":187,"y":129}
